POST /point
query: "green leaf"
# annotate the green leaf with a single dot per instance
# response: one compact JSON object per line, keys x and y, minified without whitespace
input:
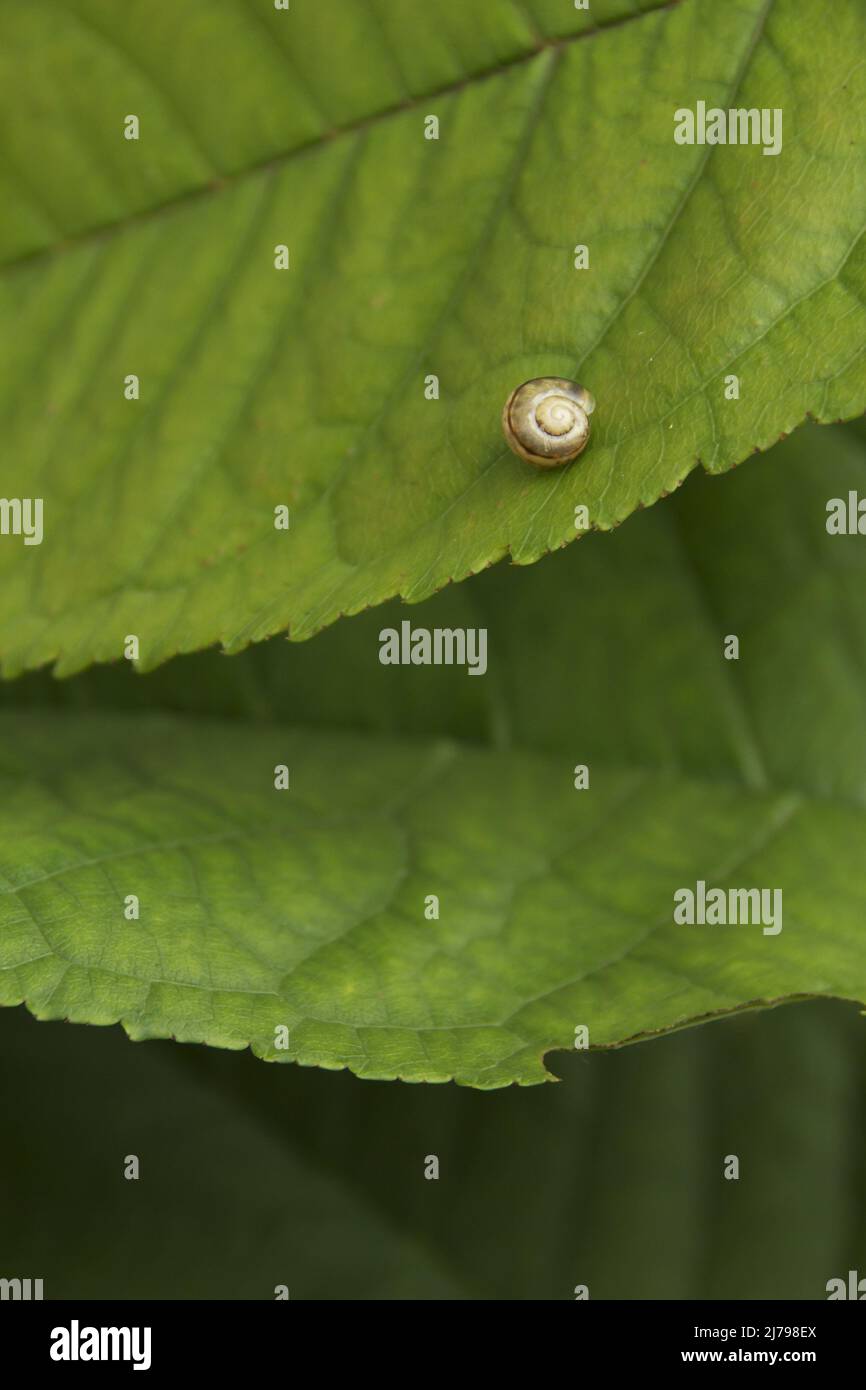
{"x":305,"y":907}
{"x":409,"y":257}
{"x":252,"y":1176}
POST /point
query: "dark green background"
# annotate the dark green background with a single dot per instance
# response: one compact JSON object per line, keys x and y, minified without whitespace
{"x":254,"y":1175}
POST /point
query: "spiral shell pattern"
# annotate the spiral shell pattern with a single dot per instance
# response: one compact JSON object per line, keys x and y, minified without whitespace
{"x":546,"y":421}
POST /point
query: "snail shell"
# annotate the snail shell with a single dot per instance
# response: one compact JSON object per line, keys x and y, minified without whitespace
{"x":546,"y":421}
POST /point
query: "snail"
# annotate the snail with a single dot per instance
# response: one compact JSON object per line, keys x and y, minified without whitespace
{"x":546,"y":421}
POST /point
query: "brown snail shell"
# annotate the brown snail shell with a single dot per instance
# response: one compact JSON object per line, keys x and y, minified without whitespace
{"x":546,"y":420}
